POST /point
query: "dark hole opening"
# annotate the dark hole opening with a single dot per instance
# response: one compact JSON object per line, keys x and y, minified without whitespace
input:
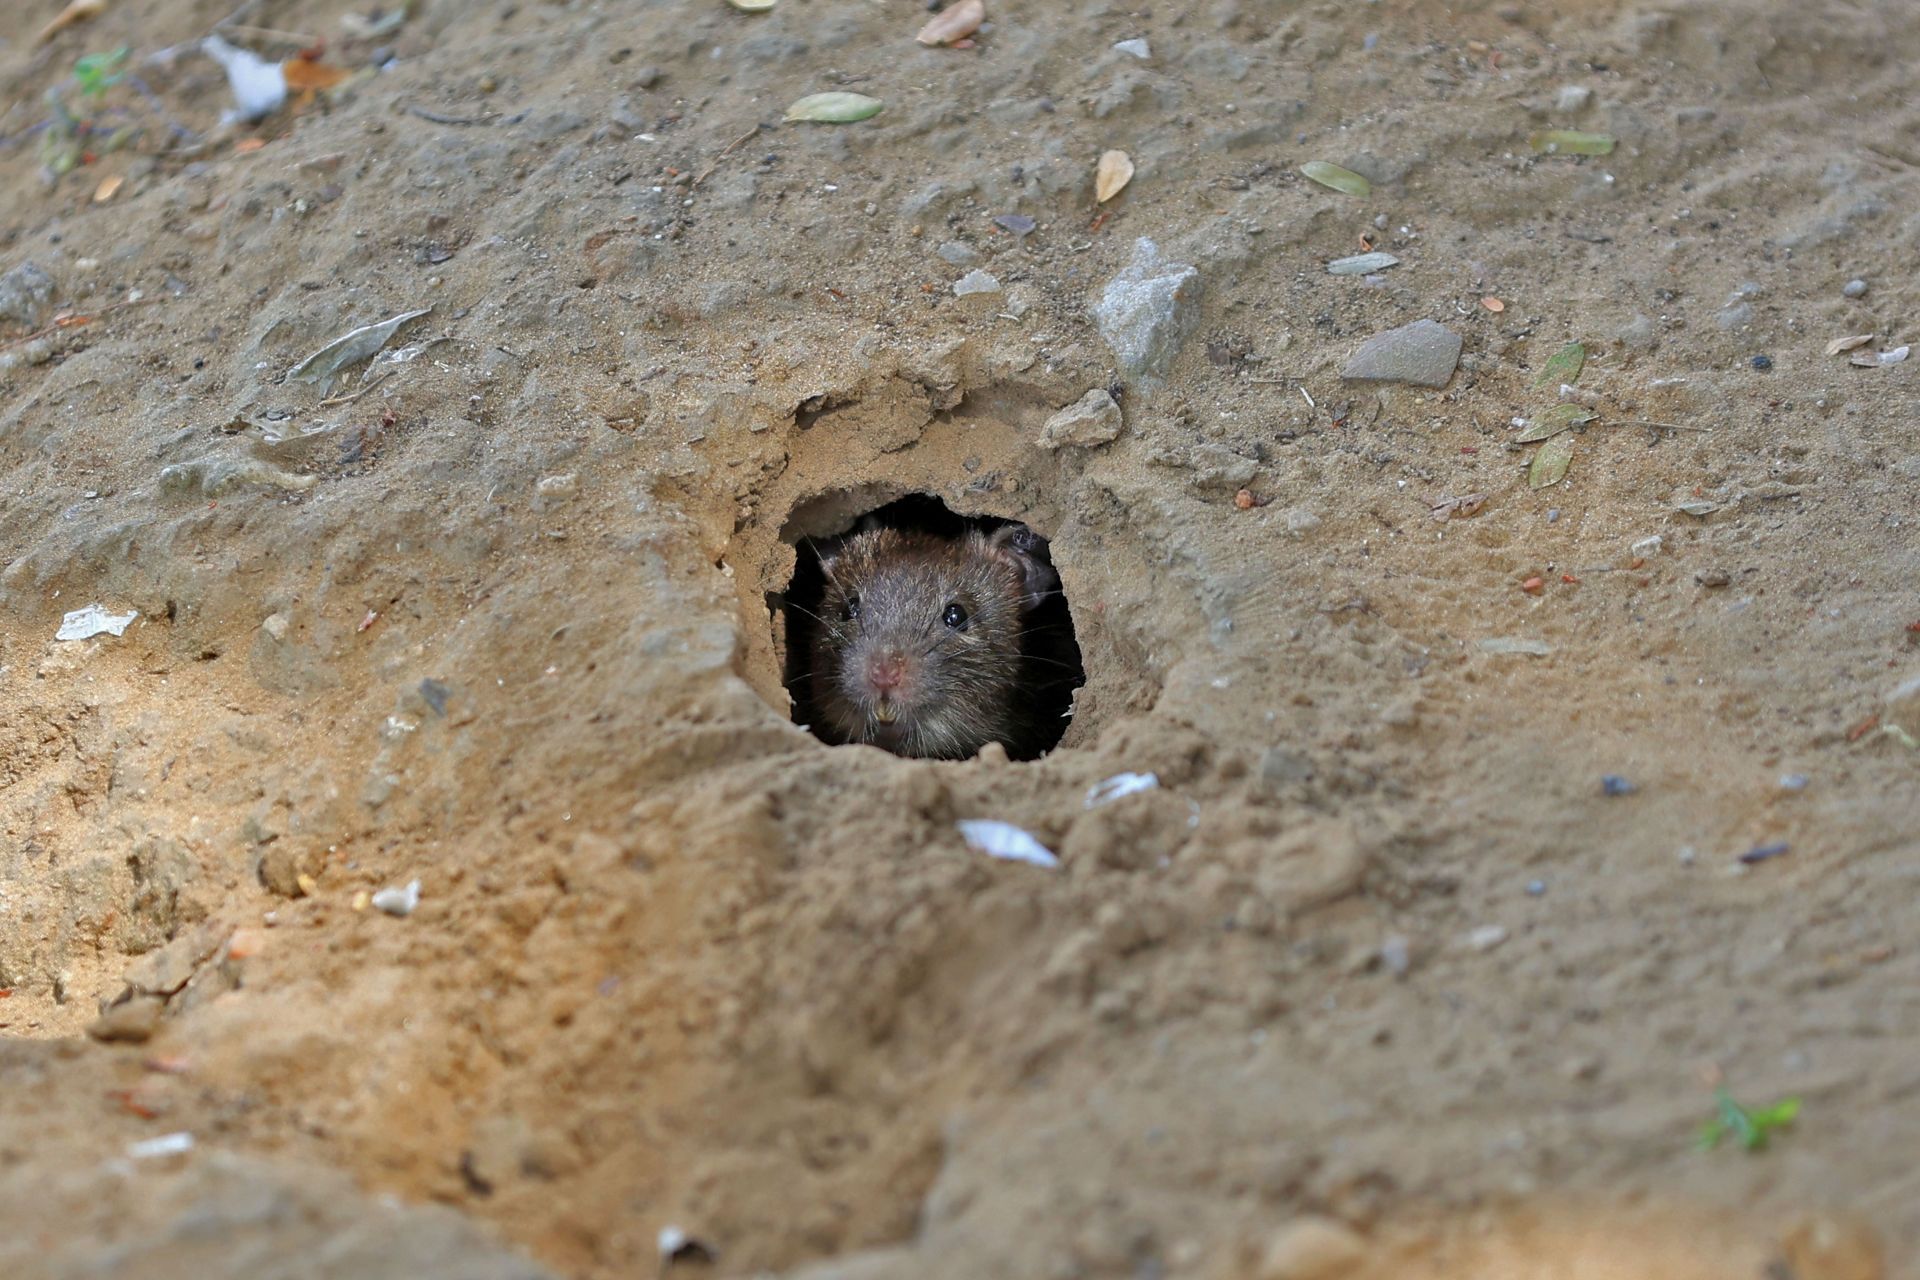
{"x":967,"y":679}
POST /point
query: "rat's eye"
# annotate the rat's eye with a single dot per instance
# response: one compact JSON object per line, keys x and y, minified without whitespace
{"x":955,"y":617}
{"x":853,"y":607}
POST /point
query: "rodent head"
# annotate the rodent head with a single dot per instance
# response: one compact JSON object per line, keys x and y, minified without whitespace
{"x":917,"y":647}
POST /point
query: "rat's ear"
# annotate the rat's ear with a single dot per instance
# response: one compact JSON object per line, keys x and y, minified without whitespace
{"x":1026,"y":551}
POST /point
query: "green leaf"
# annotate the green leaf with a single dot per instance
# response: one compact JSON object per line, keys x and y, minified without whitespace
{"x":834,"y":108}
{"x":1554,"y":421}
{"x":92,"y":71}
{"x":1332,"y":175}
{"x":1750,"y":1128}
{"x":1563,"y":365}
{"x":1551,"y":463}
{"x":1571,"y":142}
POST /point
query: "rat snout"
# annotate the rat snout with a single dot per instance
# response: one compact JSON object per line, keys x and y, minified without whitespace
{"x":886,"y":670}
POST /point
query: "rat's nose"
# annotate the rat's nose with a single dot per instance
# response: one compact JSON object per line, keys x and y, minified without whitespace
{"x":885,"y":671}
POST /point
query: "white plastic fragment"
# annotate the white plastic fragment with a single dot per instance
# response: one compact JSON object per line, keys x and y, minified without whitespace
{"x":169,"y":1144}
{"x":399,"y":902}
{"x":1120,"y":784}
{"x":1136,"y":47}
{"x":1005,"y":841}
{"x":976,"y":281}
{"x":1648,"y":546}
{"x":258,"y":86}
{"x":84,"y":624}
{"x":672,"y":1241}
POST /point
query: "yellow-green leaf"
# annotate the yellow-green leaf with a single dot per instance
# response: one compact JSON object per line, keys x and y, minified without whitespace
{"x":1332,"y":175}
{"x":1551,"y":463}
{"x":1554,"y":421}
{"x":1570,"y":142}
{"x":834,"y":108}
{"x":1563,"y":365}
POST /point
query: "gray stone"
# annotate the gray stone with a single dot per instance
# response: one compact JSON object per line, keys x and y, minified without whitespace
{"x":1638,"y":333}
{"x":1091,"y":420}
{"x":25,"y":294}
{"x":1572,"y":98}
{"x":1421,"y":354}
{"x":1854,"y":289}
{"x":1147,"y":312}
{"x":1737,"y":315}
{"x":959,"y":254}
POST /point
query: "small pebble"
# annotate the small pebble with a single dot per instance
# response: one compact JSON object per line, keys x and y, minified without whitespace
{"x":1854,"y":289}
{"x":1762,"y":363}
{"x":1688,"y":855}
{"x":1794,"y":781}
{"x":1553,"y":515}
{"x":1396,"y":953}
{"x":1613,"y":784}
{"x":1712,"y":578}
{"x":1137,"y":48}
{"x":399,"y":902}
{"x":1535,"y":888}
{"x":1761,"y":853}
{"x":1487,"y":937}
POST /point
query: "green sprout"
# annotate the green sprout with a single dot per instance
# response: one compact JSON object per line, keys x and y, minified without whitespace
{"x":95,"y":73}
{"x":1750,"y":1127}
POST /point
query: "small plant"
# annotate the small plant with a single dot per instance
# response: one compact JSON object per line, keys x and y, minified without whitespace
{"x":95,"y":72}
{"x":1749,"y":1127}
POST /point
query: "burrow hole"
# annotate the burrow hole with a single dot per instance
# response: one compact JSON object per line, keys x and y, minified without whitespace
{"x":963,"y":678}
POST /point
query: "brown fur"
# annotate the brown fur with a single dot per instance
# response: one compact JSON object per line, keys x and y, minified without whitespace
{"x":959,"y":687}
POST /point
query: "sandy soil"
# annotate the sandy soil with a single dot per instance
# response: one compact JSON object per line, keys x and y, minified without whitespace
{"x":1378,"y":962}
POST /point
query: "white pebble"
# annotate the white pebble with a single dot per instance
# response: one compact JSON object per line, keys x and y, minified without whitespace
{"x":399,"y":902}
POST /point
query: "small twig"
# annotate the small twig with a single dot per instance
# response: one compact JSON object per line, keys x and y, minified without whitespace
{"x":730,"y":148}
{"x":71,"y":321}
{"x":440,"y":117}
{"x":301,"y":38}
{"x":1666,"y":426}
{"x":333,"y":400}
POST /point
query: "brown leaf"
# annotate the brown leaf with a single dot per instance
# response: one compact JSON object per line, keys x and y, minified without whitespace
{"x":77,"y":12}
{"x":952,"y":24}
{"x":108,"y":188}
{"x":304,"y":75}
{"x":1111,"y":175}
{"x":1838,"y":345}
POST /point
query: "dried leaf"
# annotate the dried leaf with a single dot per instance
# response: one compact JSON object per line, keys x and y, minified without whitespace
{"x":1551,"y":463}
{"x":1465,"y":505}
{"x":304,"y":75}
{"x":349,"y":347}
{"x":834,"y":108}
{"x":1571,"y":142}
{"x":74,"y":14}
{"x":1361,"y":264}
{"x":948,"y":25}
{"x":1563,"y":365}
{"x":108,"y":188}
{"x":1838,"y":345}
{"x":1332,"y":175}
{"x":1111,"y":175}
{"x":753,"y":6}
{"x":1874,"y":359}
{"x":1554,"y":421}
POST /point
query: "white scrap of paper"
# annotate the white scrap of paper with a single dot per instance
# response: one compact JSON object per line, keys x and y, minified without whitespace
{"x":1006,"y":841}
{"x":1120,"y":784}
{"x":84,"y":624}
{"x":171,"y":1144}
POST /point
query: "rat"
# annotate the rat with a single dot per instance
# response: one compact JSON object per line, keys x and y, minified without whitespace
{"x":919,"y":644}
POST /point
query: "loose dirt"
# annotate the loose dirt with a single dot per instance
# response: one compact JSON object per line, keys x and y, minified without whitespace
{"x":1378,"y":966}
